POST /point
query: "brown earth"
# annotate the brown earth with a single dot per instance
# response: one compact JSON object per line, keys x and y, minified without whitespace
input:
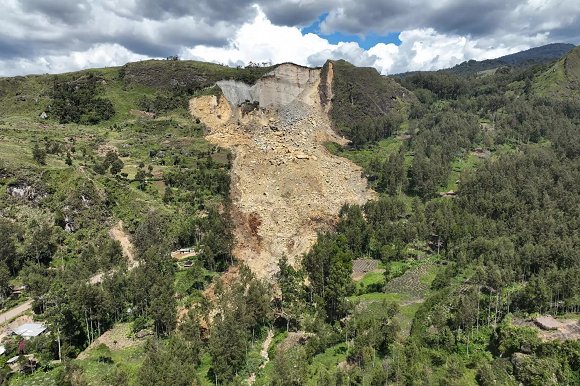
{"x":568,"y":329}
{"x":286,"y":186}
{"x":118,"y":233}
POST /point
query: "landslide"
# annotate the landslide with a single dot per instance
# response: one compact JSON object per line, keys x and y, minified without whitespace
{"x":286,"y":186}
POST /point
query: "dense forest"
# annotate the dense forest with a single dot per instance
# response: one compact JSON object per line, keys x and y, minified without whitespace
{"x":473,"y":234}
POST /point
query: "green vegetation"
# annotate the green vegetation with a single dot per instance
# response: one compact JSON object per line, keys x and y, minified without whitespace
{"x":561,"y":79}
{"x":459,"y":271}
{"x":68,"y":177}
{"x":366,"y":107}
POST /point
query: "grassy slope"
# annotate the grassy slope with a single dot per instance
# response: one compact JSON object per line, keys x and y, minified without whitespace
{"x":360,"y":92}
{"x":562,"y":79}
{"x":23,"y":99}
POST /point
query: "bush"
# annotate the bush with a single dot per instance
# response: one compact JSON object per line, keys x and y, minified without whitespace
{"x":139,"y":324}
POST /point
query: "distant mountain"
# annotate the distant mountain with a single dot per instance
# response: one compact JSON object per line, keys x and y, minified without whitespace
{"x":562,"y":79}
{"x":531,"y":57}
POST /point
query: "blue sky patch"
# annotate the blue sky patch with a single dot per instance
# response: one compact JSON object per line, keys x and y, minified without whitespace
{"x":366,"y":41}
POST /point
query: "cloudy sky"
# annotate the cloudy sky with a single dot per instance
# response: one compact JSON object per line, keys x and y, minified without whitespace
{"x":50,"y":36}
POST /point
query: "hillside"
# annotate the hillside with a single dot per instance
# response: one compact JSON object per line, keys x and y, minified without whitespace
{"x":178,"y":222}
{"x":531,"y":57}
{"x":562,"y":79}
{"x":518,"y":61}
{"x":365,"y":106}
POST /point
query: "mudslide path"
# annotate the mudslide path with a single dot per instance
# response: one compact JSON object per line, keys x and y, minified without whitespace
{"x":286,"y":187}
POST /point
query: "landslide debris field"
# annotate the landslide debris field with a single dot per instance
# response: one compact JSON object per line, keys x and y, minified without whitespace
{"x":286,"y":185}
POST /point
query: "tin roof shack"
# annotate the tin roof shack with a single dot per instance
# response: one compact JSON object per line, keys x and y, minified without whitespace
{"x":22,"y":364}
{"x":2,"y":350}
{"x":17,"y":291}
{"x":29,"y":330}
{"x":547,"y":323}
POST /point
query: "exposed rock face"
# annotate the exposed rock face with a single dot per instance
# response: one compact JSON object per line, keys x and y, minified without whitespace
{"x":277,"y":89}
{"x":25,"y":191}
{"x":286,"y":186}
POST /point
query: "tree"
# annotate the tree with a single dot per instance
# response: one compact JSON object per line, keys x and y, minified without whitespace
{"x":168,"y":363}
{"x":329,"y":269}
{"x":8,"y":252}
{"x":353,"y":225}
{"x":116,"y":166}
{"x":290,"y":367}
{"x":39,"y":155}
{"x":228,"y":344}
{"x":393,"y":178}
{"x":4,"y":280}
{"x":140,"y":177}
{"x":292,"y":291}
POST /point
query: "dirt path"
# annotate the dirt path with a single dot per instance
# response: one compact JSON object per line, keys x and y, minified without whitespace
{"x":15,"y":312}
{"x":286,"y":187}
{"x":265,"y":347}
{"x":264,"y":353}
{"x":117,"y":233}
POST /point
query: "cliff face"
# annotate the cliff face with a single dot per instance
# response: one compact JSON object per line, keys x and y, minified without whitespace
{"x":286,"y":185}
{"x":276,"y":89}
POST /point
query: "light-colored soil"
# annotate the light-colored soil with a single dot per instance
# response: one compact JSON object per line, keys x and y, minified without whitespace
{"x":286,"y":186}
{"x":176,"y":255}
{"x":264,"y":353}
{"x":15,"y":312}
{"x":293,"y":339}
{"x":17,"y":320}
{"x":265,"y":347}
{"x":117,"y":233}
{"x":569,"y":329}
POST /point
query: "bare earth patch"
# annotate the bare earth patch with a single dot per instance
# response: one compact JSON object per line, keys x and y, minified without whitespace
{"x":567,"y":329}
{"x":286,"y":186}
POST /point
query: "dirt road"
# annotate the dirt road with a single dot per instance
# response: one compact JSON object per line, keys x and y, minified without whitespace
{"x":117,"y":233}
{"x":15,"y":312}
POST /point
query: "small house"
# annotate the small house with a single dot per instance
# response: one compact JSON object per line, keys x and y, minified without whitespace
{"x":2,"y":350}
{"x":27,"y":366}
{"x":17,"y":291}
{"x":29,"y":330}
{"x":44,"y":115}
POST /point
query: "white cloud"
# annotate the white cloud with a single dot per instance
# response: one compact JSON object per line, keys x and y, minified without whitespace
{"x":106,"y":33}
{"x":262,"y":41}
{"x":420,"y":49}
{"x":100,"y":55}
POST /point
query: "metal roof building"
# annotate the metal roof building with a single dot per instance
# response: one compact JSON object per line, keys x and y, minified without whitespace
{"x":29,"y":330}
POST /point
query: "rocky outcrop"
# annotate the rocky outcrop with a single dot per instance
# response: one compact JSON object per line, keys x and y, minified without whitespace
{"x":276,"y":89}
